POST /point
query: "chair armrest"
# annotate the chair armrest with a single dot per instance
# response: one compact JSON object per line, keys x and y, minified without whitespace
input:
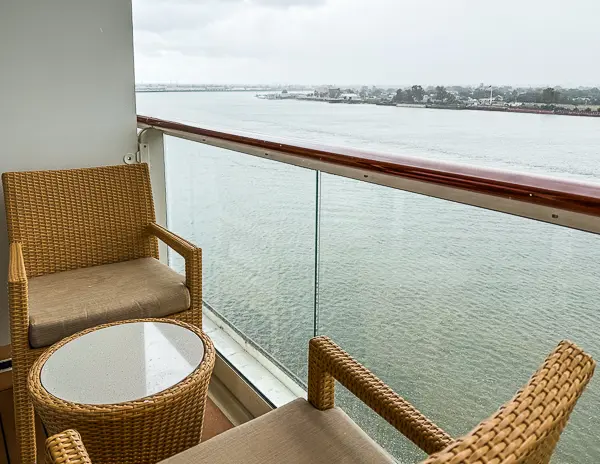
{"x":17,"y":298}
{"x":66,"y":448}
{"x":16,"y":265}
{"x":528,"y":427}
{"x":193,"y":268}
{"x":327,"y":362}
{"x":180,"y":245}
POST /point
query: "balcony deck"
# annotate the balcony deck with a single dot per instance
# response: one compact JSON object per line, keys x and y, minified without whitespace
{"x":215,"y":423}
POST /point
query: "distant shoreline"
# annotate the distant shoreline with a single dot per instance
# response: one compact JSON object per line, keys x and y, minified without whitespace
{"x":224,"y":90}
{"x":200,"y":90}
{"x":505,"y":109}
{"x":558,"y":111}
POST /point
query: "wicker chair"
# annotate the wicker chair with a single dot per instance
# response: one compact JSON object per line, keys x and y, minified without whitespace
{"x":523,"y":431}
{"x":84,"y":251}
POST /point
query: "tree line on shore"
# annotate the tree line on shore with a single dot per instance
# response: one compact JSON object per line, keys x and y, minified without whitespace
{"x":457,"y":94}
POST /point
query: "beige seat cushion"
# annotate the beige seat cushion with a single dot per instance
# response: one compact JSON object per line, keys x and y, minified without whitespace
{"x":64,"y":303}
{"x":296,"y":433}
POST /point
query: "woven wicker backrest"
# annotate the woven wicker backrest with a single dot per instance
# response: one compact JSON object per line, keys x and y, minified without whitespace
{"x":526,"y":429}
{"x":80,"y":217}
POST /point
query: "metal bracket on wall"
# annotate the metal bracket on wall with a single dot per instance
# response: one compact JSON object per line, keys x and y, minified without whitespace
{"x":130,"y":158}
{"x":143,"y":153}
{"x":140,"y":156}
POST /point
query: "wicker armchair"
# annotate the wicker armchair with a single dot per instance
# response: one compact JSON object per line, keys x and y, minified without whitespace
{"x":84,"y":251}
{"x":523,"y":431}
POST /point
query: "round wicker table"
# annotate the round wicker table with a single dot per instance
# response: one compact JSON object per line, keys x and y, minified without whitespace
{"x":135,"y":390}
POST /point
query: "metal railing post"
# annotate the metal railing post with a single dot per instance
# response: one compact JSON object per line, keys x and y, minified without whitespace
{"x":152,"y":151}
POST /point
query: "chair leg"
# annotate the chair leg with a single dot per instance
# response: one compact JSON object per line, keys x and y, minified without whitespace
{"x":24,"y":416}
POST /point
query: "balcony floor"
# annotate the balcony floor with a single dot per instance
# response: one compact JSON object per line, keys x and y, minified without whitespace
{"x":215,"y":422}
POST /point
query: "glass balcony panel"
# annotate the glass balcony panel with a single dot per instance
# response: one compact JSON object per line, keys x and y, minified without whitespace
{"x":453,"y":306}
{"x":255,"y":222}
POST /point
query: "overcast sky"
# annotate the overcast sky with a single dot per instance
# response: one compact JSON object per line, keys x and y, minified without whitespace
{"x":395,"y":42}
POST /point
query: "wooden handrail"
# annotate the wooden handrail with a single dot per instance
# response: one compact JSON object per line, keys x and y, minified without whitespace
{"x":562,"y":194}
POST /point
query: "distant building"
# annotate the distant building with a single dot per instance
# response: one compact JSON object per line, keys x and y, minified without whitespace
{"x":582,"y":100}
{"x":350,"y":96}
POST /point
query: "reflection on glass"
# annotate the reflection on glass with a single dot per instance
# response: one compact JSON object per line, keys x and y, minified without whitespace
{"x":125,"y":362}
{"x":454,"y":307}
{"x":255,"y":222}
{"x":170,"y":353}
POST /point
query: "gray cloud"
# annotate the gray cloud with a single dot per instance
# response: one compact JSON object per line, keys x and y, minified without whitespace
{"x":367,"y":41}
{"x":161,"y":16}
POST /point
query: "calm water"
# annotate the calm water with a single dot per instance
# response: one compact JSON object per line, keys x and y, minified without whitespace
{"x":453,"y":306}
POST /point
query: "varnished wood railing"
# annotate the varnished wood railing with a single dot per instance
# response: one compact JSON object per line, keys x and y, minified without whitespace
{"x":566,"y":202}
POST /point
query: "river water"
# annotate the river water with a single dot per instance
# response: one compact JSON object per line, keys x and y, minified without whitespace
{"x":453,"y":306}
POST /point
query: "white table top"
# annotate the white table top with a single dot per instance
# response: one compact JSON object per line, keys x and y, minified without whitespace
{"x":124,"y":362}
